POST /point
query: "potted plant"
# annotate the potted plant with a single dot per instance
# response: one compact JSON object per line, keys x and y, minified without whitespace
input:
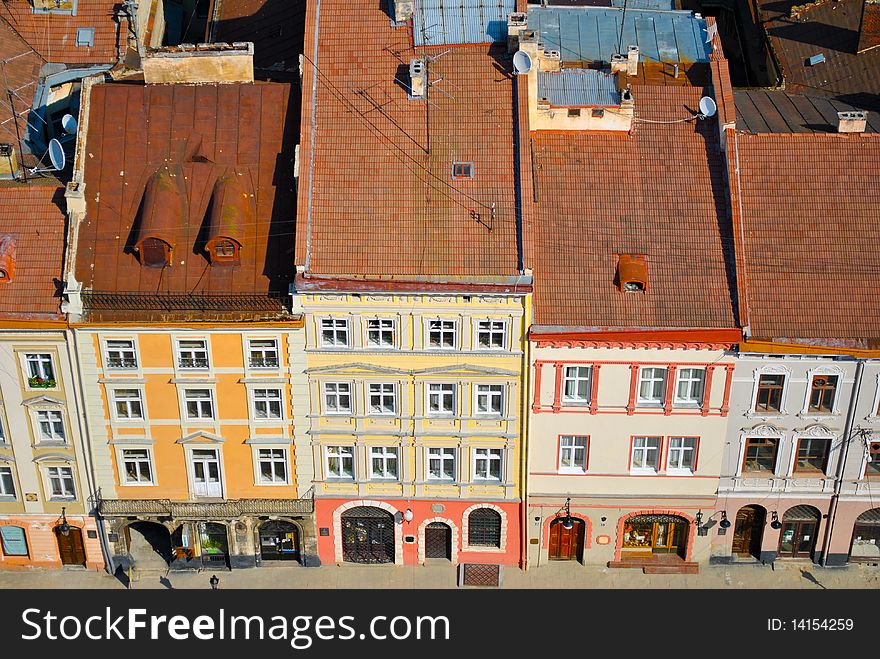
{"x":38,"y":382}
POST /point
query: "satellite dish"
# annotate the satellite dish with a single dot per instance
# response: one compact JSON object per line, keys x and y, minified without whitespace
{"x":707,"y":107}
{"x":68,"y":123}
{"x":522,"y":63}
{"x":56,"y":155}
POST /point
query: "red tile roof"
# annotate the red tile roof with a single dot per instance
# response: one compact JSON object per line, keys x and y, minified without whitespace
{"x":53,"y":35}
{"x":658,"y":191}
{"x":810,"y":208}
{"x":20,"y":72}
{"x":33,"y":215}
{"x":206,"y":131}
{"x":378,"y":197}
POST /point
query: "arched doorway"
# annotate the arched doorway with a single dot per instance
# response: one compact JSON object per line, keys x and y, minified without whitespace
{"x":438,"y":541}
{"x":149,"y":545}
{"x":865,"y":545}
{"x":367,"y":535}
{"x":70,"y":546}
{"x":566,"y":544}
{"x":648,"y":535}
{"x":215,"y":544}
{"x":748,"y":531}
{"x":279,"y":541}
{"x":797,"y":539}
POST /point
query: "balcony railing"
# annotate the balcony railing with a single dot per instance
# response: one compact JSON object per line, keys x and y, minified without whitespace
{"x":206,"y":509}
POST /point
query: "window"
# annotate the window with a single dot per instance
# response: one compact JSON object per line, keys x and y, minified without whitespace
{"x":380,"y":332}
{"x":41,"y":374}
{"x":337,"y":398}
{"x":7,"y":486}
{"x":462,"y":170}
{"x":192,"y":353}
{"x":128,"y":404}
{"x":574,"y":112}
{"x":155,"y":253}
{"x":812,"y":455}
{"x":576,"y":386}
{"x":334,"y":332}
{"x":2,"y":432}
{"x":769,"y":397}
{"x":487,"y":464}
{"x":263,"y":353}
{"x":441,"y":464}
{"x":682,"y":455}
{"x":383,"y":398}
{"x":691,"y":382}
{"x":224,"y":250}
{"x":441,"y":334}
{"x":490,"y":398}
{"x":573,"y":454}
{"x":823,"y":390}
{"x":646,"y":454}
{"x":441,"y":398}
{"x":199,"y":404}
{"x":136,"y":466}
{"x":121,"y":354}
{"x":85,"y":37}
{"x":490,"y":334}
{"x":61,"y":483}
{"x":760,"y":454}
{"x":51,"y":425}
{"x":267,"y":404}
{"x":872,"y":468}
{"x":13,"y":540}
{"x":652,"y":386}
{"x":484,"y":528}
{"x":339,"y":461}
{"x":383,"y":462}
{"x":272,"y":466}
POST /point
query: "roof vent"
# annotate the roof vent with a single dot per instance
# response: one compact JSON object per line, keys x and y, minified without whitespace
{"x":7,"y":259}
{"x":632,"y":273}
{"x":418,"y":79}
{"x":852,"y":122}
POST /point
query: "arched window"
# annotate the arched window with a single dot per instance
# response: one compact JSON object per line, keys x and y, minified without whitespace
{"x":13,"y":541}
{"x":484,"y":528}
{"x":155,"y":253}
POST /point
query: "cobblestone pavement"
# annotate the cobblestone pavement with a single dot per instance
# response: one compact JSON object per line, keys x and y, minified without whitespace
{"x":782,"y":575}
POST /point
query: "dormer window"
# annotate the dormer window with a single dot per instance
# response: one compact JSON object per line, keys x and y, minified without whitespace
{"x":164,"y":209}
{"x":632,"y":273}
{"x":223,"y":251}
{"x":155,"y":253}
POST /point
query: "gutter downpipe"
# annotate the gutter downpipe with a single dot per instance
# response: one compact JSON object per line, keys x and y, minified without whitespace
{"x":525,"y":414}
{"x":841,"y":467}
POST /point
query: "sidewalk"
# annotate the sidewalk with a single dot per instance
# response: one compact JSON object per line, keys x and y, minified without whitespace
{"x":553,"y":576}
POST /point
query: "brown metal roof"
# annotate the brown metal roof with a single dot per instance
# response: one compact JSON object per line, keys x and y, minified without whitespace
{"x":780,"y":112}
{"x":275,"y":26}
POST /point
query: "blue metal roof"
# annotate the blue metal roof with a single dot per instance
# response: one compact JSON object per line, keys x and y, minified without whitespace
{"x":576,"y":87}
{"x":442,"y":22}
{"x":592,"y":33}
{"x":660,"y":5}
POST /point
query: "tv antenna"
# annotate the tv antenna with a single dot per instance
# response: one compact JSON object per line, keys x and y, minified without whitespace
{"x":56,"y":157}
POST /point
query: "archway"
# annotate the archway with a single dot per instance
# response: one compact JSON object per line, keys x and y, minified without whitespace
{"x":367,"y":535}
{"x":800,"y":525}
{"x":279,"y":541}
{"x":214,"y":540}
{"x":438,"y":540}
{"x":652,"y":534}
{"x":566,"y":544}
{"x":748,"y":531}
{"x":865,"y":545}
{"x":149,"y":545}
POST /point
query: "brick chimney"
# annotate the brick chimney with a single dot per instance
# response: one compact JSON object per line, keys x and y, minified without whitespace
{"x":869,"y":28}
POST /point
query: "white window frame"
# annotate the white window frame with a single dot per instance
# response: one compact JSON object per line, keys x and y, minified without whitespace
{"x":339,"y":327}
{"x":123,"y":472}
{"x":632,"y":460}
{"x":267,"y":402}
{"x":572,"y":466}
{"x":191,"y":468}
{"x":263,"y":351}
{"x":652,"y":402}
{"x":786,"y":380}
{"x":4,"y":495}
{"x":444,"y":454}
{"x":65,"y":495}
{"x":493,"y":330}
{"x":108,"y":350}
{"x":679,"y":380}
{"x":187,"y":400}
{"x":340,"y":451}
{"x":492,"y":394}
{"x":441,"y":395}
{"x":385,"y":326}
{"x":443,"y":331}
{"x":483,"y":459}
{"x":336,"y":394}
{"x":383,"y":395}
{"x":39,"y":370}
{"x":694,"y":451}
{"x":577,"y":379}
{"x":58,"y":419}
{"x":193,"y":352}
{"x":274,"y":460}
{"x":387,"y":454}
{"x":114,"y":405}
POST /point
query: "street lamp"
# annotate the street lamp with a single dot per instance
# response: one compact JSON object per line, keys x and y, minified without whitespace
{"x":724,"y":523}
{"x":408,"y":515}
{"x":775,"y":524}
{"x":568,"y":522}
{"x":64,"y":527}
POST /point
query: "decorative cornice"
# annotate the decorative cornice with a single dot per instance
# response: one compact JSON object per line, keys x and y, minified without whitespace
{"x":644,"y":345}
{"x":43,"y":402}
{"x":206,"y":437}
{"x":366,"y":368}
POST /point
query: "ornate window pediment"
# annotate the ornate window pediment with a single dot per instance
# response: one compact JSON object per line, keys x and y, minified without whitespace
{"x":763,"y":430}
{"x":465,"y":369}
{"x":355,"y":369}
{"x":201,"y":437}
{"x":43,"y":403}
{"x":817,"y":430}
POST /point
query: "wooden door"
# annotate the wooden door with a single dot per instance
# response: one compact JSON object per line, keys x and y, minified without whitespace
{"x":747,"y":532}
{"x":566,"y":544}
{"x":71,"y":547}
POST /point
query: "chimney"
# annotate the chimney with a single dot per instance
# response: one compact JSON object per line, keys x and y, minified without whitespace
{"x":869,"y":28}
{"x":632,"y":273}
{"x":517,"y":22}
{"x":403,"y":10}
{"x":418,"y":79}
{"x":632,"y":60}
{"x":202,"y":63}
{"x":852,"y":122}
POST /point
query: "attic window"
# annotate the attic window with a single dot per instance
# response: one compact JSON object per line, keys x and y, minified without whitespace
{"x":574,"y":112}
{"x":223,"y":251}
{"x":597,"y":113}
{"x":155,"y":253}
{"x":85,"y":37}
{"x":632,"y":273}
{"x":462,"y":170}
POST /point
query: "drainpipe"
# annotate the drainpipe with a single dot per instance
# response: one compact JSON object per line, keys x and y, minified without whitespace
{"x":841,"y":466}
{"x":525,"y":416}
